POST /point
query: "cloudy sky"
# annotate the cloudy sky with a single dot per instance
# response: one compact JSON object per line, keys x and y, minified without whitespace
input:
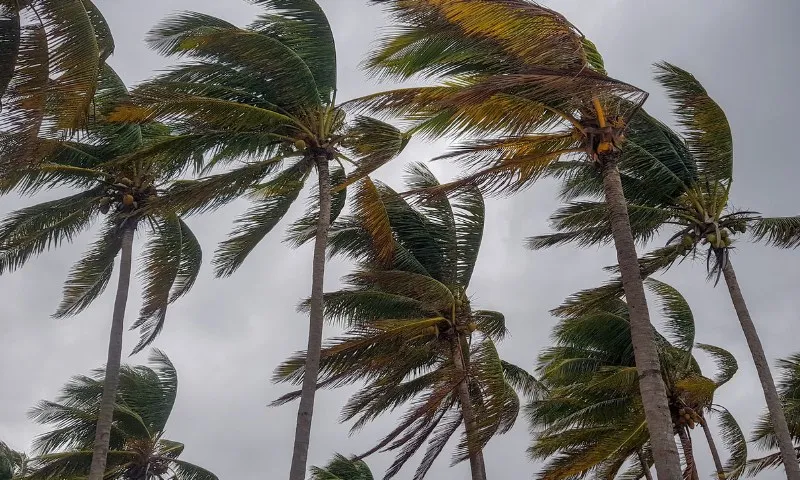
{"x":227,"y":335}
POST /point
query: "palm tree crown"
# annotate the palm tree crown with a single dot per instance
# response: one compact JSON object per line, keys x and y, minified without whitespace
{"x":138,"y":449}
{"x":413,"y":333}
{"x":115,"y":181}
{"x":342,"y":468}
{"x":591,"y":418}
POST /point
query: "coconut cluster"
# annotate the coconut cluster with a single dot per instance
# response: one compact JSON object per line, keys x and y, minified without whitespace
{"x":125,"y":195}
{"x":464,"y":321}
{"x":717,"y":236}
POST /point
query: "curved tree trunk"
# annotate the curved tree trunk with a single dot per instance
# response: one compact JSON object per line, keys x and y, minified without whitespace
{"x":105,"y":416}
{"x":777,"y":416}
{"x":713,"y":446}
{"x":476,"y":461}
{"x":688,"y":454}
{"x":651,"y":385}
{"x":645,"y":467}
{"x":302,"y":435}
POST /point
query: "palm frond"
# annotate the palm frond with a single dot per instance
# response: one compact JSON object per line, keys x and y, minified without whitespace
{"x":9,"y":47}
{"x":734,"y":441}
{"x":30,"y":231}
{"x":373,"y":143}
{"x":170,"y":267}
{"x":189,"y":471}
{"x":342,"y":468}
{"x":491,"y":323}
{"x":302,"y":26}
{"x":782,"y":232}
{"x":680,"y":320}
{"x":90,"y":275}
{"x":727,"y":366}
{"x":705,"y":124}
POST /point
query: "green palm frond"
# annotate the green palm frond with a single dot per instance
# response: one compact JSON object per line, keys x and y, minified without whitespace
{"x":782,"y":232}
{"x":189,"y":471}
{"x":679,"y":318}
{"x":272,"y":201}
{"x":342,"y":468}
{"x":302,"y":26}
{"x":170,"y":267}
{"x":586,"y":223}
{"x":734,"y":441}
{"x":491,"y":323}
{"x":374,"y":143}
{"x":75,"y":464}
{"x":705,"y":124}
{"x":727,"y":365}
{"x":30,"y":231}
{"x":90,"y":275}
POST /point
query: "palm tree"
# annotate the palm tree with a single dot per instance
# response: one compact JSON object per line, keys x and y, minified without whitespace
{"x":264,"y":94}
{"x":110,"y":178}
{"x":138,"y":449}
{"x":531,"y":90}
{"x":51,"y":58}
{"x":591,"y":419}
{"x":764,"y":435}
{"x":413,"y":334}
{"x":701,"y":215}
{"x":342,"y":468}
{"x":13,"y":464}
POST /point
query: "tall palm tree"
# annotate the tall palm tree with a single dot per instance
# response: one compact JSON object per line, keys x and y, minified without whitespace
{"x":764,"y":433}
{"x":266,"y":95}
{"x":51,"y":55}
{"x":138,"y":449}
{"x":342,"y":468}
{"x":111,"y":178}
{"x":531,"y":90}
{"x":700,"y":216}
{"x":413,"y":334}
{"x":13,"y":464}
{"x":591,"y":419}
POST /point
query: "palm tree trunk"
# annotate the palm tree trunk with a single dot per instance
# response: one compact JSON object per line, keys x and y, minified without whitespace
{"x":476,"y":461}
{"x":777,"y":416}
{"x":645,"y":466}
{"x":688,"y":454}
{"x":302,"y":436}
{"x":713,"y":446}
{"x":105,"y":416}
{"x":651,"y":385}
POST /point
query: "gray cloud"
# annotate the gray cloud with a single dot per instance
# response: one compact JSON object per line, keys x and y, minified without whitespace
{"x":227,"y":335}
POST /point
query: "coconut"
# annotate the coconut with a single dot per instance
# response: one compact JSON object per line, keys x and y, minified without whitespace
{"x":104,"y":208}
{"x":687,"y":241}
{"x":300,"y":144}
{"x":127,"y":199}
{"x":712,"y":238}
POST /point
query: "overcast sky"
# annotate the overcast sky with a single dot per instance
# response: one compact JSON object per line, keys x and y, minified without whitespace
{"x":227,"y":335}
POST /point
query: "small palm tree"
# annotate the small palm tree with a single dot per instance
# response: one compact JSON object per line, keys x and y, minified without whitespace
{"x":700,"y":217}
{"x":51,"y":59}
{"x":764,"y":435}
{"x":13,"y":464}
{"x":114,"y":181}
{"x":413,"y":334}
{"x":591,"y":419}
{"x":138,"y":449}
{"x":531,"y":91}
{"x":264,"y":95}
{"x":342,"y":468}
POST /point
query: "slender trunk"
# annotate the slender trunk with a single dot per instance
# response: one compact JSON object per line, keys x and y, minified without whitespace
{"x":688,"y":453}
{"x":645,"y":466}
{"x":302,"y":435}
{"x":777,"y":416}
{"x":713,"y":446}
{"x":651,"y":385}
{"x":105,"y":416}
{"x":476,"y":461}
